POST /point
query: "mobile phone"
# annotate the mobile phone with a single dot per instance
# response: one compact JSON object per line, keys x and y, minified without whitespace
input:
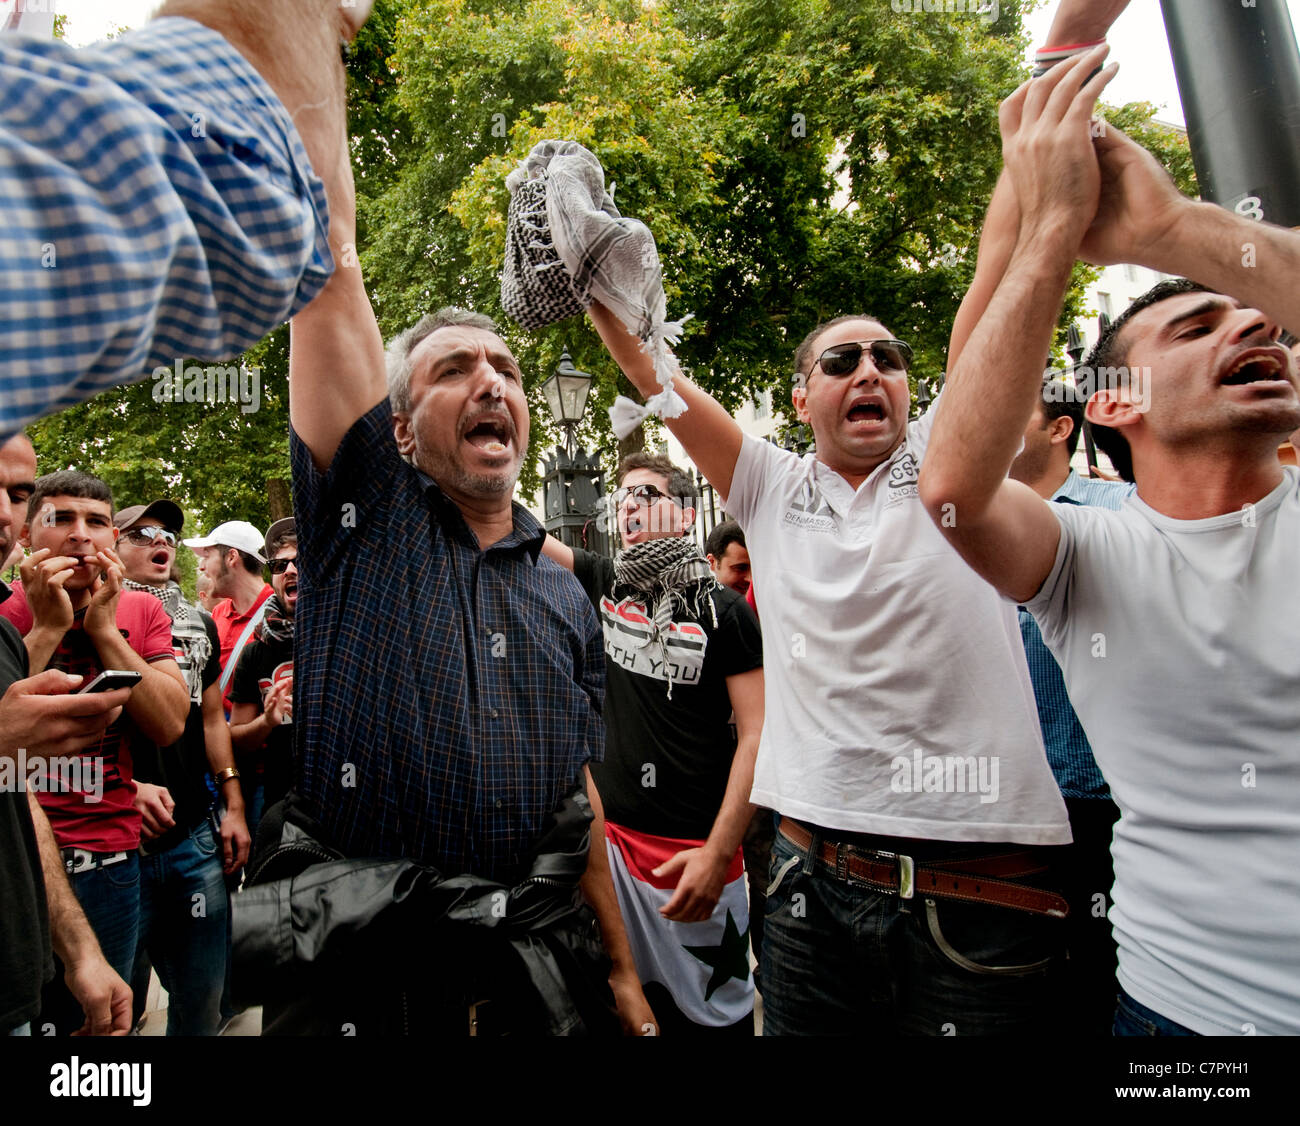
{"x":110,"y":679}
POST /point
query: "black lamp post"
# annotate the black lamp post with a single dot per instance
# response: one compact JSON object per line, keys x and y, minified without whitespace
{"x":572,"y":484}
{"x":1075,"y":347}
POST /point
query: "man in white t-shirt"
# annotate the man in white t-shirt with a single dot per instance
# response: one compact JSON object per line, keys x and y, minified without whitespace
{"x":1173,"y":619}
{"x":911,"y":890}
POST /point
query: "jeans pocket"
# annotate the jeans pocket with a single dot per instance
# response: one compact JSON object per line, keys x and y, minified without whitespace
{"x":204,"y":838}
{"x":784,"y":860}
{"x":122,"y":876}
{"x":1130,"y":1022}
{"x":998,"y":941}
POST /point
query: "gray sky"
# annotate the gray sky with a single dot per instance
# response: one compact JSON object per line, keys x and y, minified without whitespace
{"x":1137,"y":40}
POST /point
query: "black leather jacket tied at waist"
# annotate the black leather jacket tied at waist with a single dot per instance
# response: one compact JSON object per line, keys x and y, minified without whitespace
{"x":311,"y":916}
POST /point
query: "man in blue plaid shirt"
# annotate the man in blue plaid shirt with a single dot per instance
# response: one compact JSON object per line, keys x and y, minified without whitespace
{"x":161,"y":194}
{"x":448,"y":678}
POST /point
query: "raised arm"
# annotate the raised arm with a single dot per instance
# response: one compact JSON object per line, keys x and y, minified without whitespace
{"x":336,"y":355}
{"x":1004,"y":530}
{"x":997,"y":242}
{"x":1083,"y":21}
{"x":1143,"y":218}
{"x":709,"y":434}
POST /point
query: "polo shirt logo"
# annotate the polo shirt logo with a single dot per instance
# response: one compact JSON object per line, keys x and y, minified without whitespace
{"x":808,"y":509}
{"x":901,"y":484}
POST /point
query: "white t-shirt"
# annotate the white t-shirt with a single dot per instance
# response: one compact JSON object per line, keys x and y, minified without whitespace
{"x":1180,"y":645}
{"x":898,"y":699}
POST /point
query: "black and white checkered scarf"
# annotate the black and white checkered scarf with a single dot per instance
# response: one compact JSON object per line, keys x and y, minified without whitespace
{"x":188,"y":632}
{"x":567,"y":245}
{"x":671,"y":576}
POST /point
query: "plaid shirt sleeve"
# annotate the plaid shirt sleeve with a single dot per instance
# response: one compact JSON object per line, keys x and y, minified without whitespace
{"x":156,"y":203}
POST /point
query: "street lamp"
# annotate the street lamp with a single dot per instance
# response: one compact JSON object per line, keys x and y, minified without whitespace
{"x":572,"y":484}
{"x":566,"y":394}
{"x":1075,"y":346}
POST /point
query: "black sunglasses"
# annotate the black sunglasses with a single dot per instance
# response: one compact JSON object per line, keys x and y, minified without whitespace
{"x":279,"y":566}
{"x":143,"y":537}
{"x":645,"y":494}
{"x":843,"y":359}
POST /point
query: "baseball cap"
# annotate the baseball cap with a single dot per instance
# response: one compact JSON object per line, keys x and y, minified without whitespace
{"x":278,"y":529}
{"x":233,"y":533}
{"x":166,"y":512}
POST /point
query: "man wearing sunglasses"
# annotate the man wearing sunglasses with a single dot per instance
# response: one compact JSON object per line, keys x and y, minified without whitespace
{"x":186,"y":844}
{"x":683,"y":655}
{"x":909,"y":891}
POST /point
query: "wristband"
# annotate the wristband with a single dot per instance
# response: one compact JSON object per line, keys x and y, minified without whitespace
{"x":1047,"y":57}
{"x":223,"y":776}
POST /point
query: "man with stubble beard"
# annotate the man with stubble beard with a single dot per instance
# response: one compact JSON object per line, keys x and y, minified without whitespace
{"x":448,"y":680}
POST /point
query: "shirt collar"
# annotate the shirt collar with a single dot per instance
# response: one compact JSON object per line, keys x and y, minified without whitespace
{"x":527,"y":533}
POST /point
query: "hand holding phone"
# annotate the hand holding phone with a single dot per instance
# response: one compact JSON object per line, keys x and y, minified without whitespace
{"x":110,"y":679}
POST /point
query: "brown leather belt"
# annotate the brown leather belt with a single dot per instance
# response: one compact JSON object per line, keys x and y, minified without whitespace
{"x":978,"y":880}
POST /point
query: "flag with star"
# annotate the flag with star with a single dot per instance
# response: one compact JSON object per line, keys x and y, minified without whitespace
{"x":705,"y":966}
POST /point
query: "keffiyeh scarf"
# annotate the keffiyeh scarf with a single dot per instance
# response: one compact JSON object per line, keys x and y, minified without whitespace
{"x":275,"y":625}
{"x":567,"y":245}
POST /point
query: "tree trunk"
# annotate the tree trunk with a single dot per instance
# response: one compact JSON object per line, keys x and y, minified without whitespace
{"x":279,"y":498}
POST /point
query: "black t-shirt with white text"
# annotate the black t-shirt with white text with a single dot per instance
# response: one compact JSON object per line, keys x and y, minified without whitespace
{"x":183,"y":767}
{"x":667,"y":760}
{"x":262,"y":664}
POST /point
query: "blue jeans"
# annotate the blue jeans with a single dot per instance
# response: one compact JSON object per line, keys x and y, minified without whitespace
{"x":1132,"y":1018}
{"x":110,"y":897}
{"x":840,"y":959}
{"x":183,"y":916}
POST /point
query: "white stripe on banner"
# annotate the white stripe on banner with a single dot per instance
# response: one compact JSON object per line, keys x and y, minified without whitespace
{"x":698,"y":963}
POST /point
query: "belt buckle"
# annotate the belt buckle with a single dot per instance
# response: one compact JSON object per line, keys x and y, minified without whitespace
{"x":906,"y":873}
{"x":77,"y":860}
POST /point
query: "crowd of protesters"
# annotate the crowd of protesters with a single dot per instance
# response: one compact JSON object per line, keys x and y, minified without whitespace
{"x":1013,"y":751}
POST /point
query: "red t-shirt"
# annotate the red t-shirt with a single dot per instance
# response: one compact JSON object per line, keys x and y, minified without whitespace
{"x":88,"y":799}
{"x":230,"y":625}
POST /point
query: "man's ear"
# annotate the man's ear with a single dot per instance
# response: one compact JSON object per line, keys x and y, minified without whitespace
{"x":1060,"y":429}
{"x":799,"y":400}
{"x":404,"y":435}
{"x":713,"y":563}
{"x":1108,"y":407}
{"x":688,"y":520}
{"x":25,"y":536}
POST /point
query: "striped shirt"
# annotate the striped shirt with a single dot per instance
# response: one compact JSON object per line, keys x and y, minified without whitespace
{"x":156,"y":203}
{"x":446,"y":698}
{"x":1068,"y":750}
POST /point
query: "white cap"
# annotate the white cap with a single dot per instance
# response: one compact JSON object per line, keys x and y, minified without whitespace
{"x":233,"y":533}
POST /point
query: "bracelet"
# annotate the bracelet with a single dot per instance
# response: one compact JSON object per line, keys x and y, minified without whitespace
{"x":221,"y":777}
{"x":1047,"y":57}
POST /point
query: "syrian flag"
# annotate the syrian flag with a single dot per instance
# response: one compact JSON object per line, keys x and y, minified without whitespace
{"x":705,"y":966}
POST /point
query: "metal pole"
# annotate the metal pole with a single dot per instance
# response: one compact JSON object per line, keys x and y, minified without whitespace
{"x":1238,"y":73}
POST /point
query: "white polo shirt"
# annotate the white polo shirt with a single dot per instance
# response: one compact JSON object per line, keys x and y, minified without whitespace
{"x":1179,"y":641}
{"x":898,"y":699}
